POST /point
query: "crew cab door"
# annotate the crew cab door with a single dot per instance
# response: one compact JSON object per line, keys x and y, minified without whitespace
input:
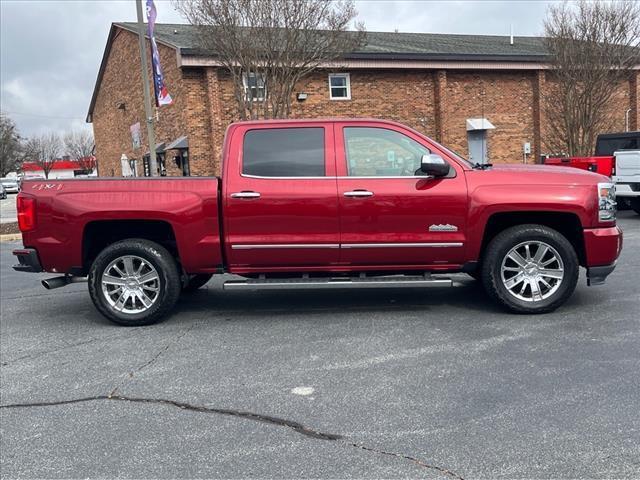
{"x":390,"y":213}
{"x":280,"y":197}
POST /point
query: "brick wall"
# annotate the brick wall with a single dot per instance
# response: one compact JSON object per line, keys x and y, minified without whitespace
{"x":434,"y":102}
{"x":122,"y":83}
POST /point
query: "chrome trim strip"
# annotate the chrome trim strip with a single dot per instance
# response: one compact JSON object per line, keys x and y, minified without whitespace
{"x":246,"y":175}
{"x":422,"y":177}
{"x":401,"y":245}
{"x":372,"y":177}
{"x":346,"y":245}
{"x":285,"y":245}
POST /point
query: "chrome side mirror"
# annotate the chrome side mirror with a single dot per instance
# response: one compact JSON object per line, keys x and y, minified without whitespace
{"x":434,"y":165}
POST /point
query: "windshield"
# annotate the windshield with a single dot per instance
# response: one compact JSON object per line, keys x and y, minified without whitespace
{"x":458,"y":157}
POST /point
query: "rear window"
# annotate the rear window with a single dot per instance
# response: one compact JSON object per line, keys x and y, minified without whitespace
{"x":607,"y":146}
{"x":284,"y":152}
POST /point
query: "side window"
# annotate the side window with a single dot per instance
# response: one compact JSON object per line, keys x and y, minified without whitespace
{"x":378,"y":152}
{"x":284,"y":152}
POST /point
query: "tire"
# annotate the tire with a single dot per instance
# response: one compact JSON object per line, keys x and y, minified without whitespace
{"x":143,"y":272}
{"x":501,"y":271}
{"x":196,"y":281}
{"x":635,"y":205}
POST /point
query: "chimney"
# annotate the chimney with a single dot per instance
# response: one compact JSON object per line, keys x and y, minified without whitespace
{"x":511,"y":36}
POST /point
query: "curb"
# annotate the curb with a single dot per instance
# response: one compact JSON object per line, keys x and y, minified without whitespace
{"x":10,"y":237}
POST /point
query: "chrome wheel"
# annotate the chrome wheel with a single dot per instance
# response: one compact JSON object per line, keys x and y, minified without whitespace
{"x":532,"y":271}
{"x":130,"y":284}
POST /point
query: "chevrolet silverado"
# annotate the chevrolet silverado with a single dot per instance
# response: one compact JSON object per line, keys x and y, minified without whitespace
{"x":323,"y":204}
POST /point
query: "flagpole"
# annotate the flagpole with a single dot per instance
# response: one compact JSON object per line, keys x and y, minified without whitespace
{"x":153,"y":165}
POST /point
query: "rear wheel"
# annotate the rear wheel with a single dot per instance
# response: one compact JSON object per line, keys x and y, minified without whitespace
{"x":134,"y":282}
{"x":196,"y":281}
{"x":635,"y":205}
{"x":530,"y":269}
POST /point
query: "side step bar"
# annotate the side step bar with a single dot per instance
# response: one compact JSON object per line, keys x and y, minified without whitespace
{"x":340,"y":282}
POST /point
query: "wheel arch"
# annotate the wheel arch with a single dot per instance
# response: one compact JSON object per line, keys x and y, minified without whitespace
{"x":99,"y":234}
{"x":567,"y":224}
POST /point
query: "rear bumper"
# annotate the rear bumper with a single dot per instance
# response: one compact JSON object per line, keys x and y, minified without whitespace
{"x":28,"y":260}
{"x":627,"y":190}
{"x":597,"y":275}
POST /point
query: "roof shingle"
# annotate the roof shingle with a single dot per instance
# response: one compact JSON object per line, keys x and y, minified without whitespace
{"x":390,"y":45}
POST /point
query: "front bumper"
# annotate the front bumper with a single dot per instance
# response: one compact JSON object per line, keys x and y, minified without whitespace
{"x":602,"y":245}
{"x":29,"y":261}
{"x":602,"y":248}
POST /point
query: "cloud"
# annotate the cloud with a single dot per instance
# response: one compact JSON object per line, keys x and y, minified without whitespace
{"x":50,"y":51}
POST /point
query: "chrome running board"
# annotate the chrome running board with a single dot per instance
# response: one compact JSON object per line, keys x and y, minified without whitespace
{"x":337,"y":282}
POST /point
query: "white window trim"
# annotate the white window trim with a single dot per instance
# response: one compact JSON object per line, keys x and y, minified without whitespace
{"x":348,"y":77}
{"x":247,"y":90}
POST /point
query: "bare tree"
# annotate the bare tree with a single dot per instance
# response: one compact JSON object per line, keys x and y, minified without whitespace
{"x":43,"y":150}
{"x":79,"y":146}
{"x":10,"y":147}
{"x":593,"y":48}
{"x":268,"y":46}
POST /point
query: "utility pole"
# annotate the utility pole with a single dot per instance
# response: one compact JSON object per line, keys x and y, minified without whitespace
{"x":153,"y":164}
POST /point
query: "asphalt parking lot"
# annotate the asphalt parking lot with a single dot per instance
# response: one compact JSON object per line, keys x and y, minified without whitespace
{"x":394,"y":383}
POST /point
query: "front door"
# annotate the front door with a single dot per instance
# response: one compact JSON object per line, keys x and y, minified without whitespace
{"x":280,"y":199}
{"x":391,"y":215}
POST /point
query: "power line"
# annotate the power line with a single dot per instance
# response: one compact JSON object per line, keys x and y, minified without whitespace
{"x":42,"y":116}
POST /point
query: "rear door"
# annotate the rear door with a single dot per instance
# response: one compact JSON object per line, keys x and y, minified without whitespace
{"x":391,"y":215}
{"x":280,"y":197}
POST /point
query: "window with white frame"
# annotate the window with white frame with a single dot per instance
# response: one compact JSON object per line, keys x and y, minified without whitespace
{"x":339,"y":86}
{"x":254,"y":86}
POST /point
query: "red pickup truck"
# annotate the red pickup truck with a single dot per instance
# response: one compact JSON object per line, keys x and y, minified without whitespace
{"x":323,"y":204}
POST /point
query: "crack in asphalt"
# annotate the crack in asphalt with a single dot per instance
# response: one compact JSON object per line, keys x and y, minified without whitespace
{"x":153,"y":359}
{"x":281,"y":422}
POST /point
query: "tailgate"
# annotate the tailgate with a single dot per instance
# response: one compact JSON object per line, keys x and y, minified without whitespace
{"x":627,"y":166}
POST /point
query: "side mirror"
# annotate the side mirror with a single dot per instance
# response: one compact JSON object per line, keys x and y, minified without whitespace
{"x":434,"y":165}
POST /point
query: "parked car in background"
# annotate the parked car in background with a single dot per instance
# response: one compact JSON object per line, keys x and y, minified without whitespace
{"x":10,"y":185}
{"x":323,"y":204}
{"x":3,"y":192}
{"x":617,"y":156}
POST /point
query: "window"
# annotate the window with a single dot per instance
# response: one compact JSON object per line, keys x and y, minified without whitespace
{"x":339,"y":86}
{"x":607,"y":146}
{"x":254,"y":86}
{"x":378,"y":152}
{"x":284,"y":152}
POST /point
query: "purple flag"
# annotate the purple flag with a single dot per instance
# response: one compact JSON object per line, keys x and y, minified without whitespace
{"x":160,"y":89}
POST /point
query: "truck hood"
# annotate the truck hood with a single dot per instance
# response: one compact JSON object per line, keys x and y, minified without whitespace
{"x":537,"y":174}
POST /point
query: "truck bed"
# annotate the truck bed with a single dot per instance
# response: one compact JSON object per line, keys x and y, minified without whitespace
{"x":68,"y":210}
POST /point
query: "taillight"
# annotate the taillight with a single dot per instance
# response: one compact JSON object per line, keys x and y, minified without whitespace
{"x":26,"y":207}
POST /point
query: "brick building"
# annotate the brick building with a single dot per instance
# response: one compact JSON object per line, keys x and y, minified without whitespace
{"x":468,"y":92}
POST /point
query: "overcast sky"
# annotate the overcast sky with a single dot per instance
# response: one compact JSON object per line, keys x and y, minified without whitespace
{"x":50,"y":51}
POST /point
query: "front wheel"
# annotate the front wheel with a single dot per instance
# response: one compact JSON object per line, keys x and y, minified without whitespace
{"x":134,"y":282}
{"x":530,"y":269}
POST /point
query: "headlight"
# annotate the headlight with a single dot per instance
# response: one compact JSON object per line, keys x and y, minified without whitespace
{"x":606,"y":202}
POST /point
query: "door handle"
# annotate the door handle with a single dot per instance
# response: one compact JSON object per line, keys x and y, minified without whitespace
{"x":358,"y":193}
{"x":245,"y":195}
